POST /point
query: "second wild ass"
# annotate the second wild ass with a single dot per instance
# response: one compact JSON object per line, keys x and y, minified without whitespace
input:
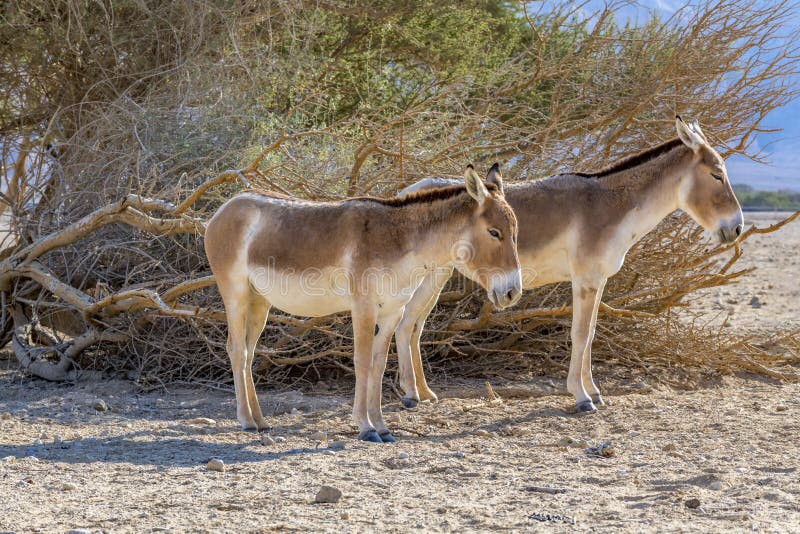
{"x":578,"y":227}
{"x":363,"y":255}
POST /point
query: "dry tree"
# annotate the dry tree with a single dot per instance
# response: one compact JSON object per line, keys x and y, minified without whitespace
{"x":114,"y":174}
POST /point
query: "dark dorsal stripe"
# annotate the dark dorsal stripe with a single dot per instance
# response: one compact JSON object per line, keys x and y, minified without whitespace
{"x":634,"y":160}
{"x":418,"y":197}
{"x":424,"y":195}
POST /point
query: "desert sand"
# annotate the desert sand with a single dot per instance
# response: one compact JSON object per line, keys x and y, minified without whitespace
{"x":100,"y":455}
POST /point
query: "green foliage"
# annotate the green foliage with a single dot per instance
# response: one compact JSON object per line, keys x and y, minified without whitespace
{"x":752,"y":199}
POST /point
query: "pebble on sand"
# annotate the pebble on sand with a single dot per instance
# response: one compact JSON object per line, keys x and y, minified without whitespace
{"x":328,"y":494}
{"x":266,"y":440}
{"x":215,"y":464}
{"x":100,"y":405}
{"x":337,"y":445}
{"x":404,"y":455}
{"x":201,"y":421}
{"x":692,"y":503}
{"x":68,"y":486}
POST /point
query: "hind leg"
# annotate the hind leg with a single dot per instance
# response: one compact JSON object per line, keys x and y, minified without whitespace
{"x":256,"y":319}
{"x":236,"y":308}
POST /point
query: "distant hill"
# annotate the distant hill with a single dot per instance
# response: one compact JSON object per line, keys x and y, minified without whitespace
{"x":755,"y":200}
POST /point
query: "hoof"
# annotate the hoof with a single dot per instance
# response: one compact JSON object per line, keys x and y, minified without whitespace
{"x":409,"y":403}
{"x":370,"y":435}
{"x":430,"y":396}
{"x":598,"y":400}
{"x":584,"y":407}
{"x":387,"y":437}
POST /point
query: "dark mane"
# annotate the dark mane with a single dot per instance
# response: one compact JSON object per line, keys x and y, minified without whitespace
{"x":423,"y":195}
{"x":634,"y":160}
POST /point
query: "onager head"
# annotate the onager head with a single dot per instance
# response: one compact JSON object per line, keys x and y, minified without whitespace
{"x":487,"y":248}
{"x":706,"y":193}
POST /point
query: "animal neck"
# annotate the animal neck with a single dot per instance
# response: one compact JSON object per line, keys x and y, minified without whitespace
{"x":651,"y":190}
{"x":432,"y":229}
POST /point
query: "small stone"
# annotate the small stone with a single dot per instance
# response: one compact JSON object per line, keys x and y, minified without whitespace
{"x":604,"y":450}
{"x":337,"y":445}
{"x":345,"y":516}
{"x":37,"y":442}
{"x":100,"y":405}
{"x":781,"y":408}
{"x":328,"y":494}
{"x":5,"y":416}
{"x":692,"y":503}
{"x":68,"y":486}
{"x":404,"y":455}
{"x":482,"y":432}
{"x":201,"y":421}
{"x":755,"y":302}
{"x":328,"y":452}
{"x":294,"y":411}
{"x":267,"y":440}
{"x":716,"y":485}
{"x":9,"y":458}
{"x":215,"y":464}
{"x":279,"y":439}
{"x":669,"y":447}
{"x":79,"y":531}
{"x":318,"y":436}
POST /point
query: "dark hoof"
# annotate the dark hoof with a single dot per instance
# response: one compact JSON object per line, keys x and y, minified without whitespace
{"x":584,"y":407}
{"x":387,"y":437}
{"x":409,"y":403}
{"x":598,"y":400}
{"x":371,"y":436}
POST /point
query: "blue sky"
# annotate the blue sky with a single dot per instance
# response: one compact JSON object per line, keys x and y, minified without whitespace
{"x":781,"y":149}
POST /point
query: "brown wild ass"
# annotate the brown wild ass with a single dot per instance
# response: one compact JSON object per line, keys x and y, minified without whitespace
{"x":365,"y":255}
{"x":579,"y":227}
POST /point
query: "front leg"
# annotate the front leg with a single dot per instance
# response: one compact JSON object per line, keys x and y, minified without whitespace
{"x":586,"y":367}
{"x":387,"y":324}
{"x":409,"y":332}
{"x":364,"y":318}
{"x":585,"y":300}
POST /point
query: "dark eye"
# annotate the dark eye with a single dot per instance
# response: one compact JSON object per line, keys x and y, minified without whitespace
{"x":494,"y":233}
{"x":717,"y":176}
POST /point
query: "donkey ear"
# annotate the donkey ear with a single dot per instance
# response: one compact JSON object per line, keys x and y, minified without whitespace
{"x":690,"y":134}
{"x":475,"y":186}
{"x":494,"y":177}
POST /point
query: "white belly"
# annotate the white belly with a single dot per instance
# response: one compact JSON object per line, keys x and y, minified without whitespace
{"x":313,"y":293}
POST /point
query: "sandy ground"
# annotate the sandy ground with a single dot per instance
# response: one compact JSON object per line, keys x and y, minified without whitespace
{"x":723,"y":457}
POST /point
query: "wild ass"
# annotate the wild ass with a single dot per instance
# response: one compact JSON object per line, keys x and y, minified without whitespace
{"x":365,"y":255}
{"x":579,"y":227}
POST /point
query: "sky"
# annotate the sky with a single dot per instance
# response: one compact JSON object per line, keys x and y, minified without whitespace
{"x":781,"y":150}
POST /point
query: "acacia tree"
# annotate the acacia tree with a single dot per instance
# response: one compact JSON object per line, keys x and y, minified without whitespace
{"x":117,"y":131}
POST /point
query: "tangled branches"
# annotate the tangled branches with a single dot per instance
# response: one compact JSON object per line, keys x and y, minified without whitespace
{"x":112,"y":152}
